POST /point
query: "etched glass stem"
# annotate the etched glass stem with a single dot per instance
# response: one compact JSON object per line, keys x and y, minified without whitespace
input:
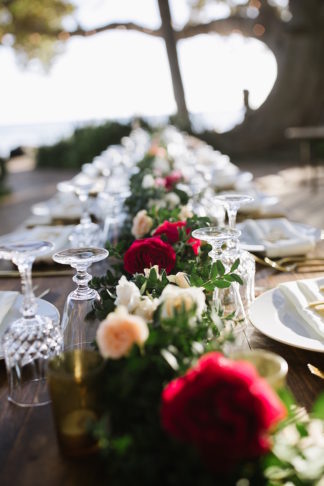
{"x":29,"y":306}
{"x":82,"y":278}
{"x":231,"y":213}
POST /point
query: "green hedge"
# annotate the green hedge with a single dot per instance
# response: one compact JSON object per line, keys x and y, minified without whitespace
{"x":82,"y":146}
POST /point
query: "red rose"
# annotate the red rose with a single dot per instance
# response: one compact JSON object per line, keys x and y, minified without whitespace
{"x":222,"y":407}
{"x":171,"y":231}
{"x":172,"y":179}
{"x":148,"y":252}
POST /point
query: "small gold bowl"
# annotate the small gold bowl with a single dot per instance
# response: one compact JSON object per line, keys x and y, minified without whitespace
{"x":270,"y":366}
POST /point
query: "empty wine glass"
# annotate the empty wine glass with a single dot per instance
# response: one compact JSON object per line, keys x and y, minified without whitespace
{"x":86,"y":233}
{"x":228,"y":300}
{"x":232,"y":202}
{"x":30,"y":340}
{"x":79,"y":330}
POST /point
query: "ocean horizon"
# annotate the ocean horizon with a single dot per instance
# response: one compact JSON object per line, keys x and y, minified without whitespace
{"x":47,"y":133}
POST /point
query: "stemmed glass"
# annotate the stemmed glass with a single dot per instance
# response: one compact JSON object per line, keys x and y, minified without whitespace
{"x":246,"y":270}
{"x":227,"y":300}
{"x":30,"y":340}
{"x":86,"y":233}
{"x":79,"y":331}
{"x":232,"y":203}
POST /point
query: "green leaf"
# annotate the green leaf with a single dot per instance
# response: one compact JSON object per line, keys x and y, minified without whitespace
{"x":287,"y":398}
{"x":237,"y":278}
{"x":235,"y":265}
{"x":220,"y":267}
{"x":214,"y":271}
{"x":318,"y":408}
{"x":221,"y":284}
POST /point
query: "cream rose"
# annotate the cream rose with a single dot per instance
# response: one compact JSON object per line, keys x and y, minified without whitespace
{"x":175,"y":298}
{"x":128,"y":294}
{"x":142,"y":223}
{"x":146,"y":308}
{"x":185,"y":213}
{"x":119,"y":332}
{"x":180,"y":279}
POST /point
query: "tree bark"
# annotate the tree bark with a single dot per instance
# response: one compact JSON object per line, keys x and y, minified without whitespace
{"x":171,"y":47}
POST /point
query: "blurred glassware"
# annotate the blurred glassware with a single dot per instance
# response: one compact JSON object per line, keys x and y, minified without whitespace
{"x":227,"y":301}
{"x":30,"y":340}
{"x":79,"y":331}
{"x":75,"y":380}
{"x":86,"y":233}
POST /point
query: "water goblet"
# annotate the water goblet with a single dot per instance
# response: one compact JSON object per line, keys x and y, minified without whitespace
{"x":232,"y":202}
{"x":86,"y":233}
{"x":227,"y":301}
{"x":79,"y":331}
{"x":30,"y":340}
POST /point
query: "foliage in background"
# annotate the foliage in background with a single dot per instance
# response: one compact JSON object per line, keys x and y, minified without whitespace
{"x":82,"y":146}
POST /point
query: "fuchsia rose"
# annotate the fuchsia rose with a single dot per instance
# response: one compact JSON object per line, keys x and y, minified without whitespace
{"x":223,"y":408}
{"x":171,"y":231}
{"x":148,"y":252}
{"x":172,"y":179}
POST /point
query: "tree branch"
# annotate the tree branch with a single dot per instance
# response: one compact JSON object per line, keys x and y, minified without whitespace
{"x":113,"y":26}
{"x":223,"y":27}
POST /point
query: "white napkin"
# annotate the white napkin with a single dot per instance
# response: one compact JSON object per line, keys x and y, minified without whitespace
{"x":300,"y":294}
{"x":279,"y":237}
{"x":7,"y":299}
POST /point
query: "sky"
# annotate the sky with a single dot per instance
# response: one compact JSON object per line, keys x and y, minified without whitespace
{"x":120,"y":74}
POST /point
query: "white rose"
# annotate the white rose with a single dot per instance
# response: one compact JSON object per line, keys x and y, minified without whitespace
{"x":128,"y":294}
{"x":185,"y":213}
{"x":176,"y":298}
{"x":117,"y":334}
{"x":180,"y":279}
{"x":172,"y":199}
{"x":142,"y":223}
{"x":146,"y":308}
{"x":161,"y":165}
{"x":148,"y":181}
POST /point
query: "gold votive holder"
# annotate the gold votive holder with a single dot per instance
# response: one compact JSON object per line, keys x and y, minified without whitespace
{"x":270,"y":366}
{"x":75,"y":380}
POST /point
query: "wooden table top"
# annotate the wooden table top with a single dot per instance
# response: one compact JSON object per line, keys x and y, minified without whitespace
{"x":29,"y":453}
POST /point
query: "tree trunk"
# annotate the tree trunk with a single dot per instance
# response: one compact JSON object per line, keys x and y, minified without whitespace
{"x":297,"y":98}
{"x":171,"y":47}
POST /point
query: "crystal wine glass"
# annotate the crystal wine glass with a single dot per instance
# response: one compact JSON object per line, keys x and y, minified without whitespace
{"x":30,"y":340}
{"x":86,"y":233}
{"x":79,"y":331}
{"x":232,"y":202}
{"x":228,"y":300}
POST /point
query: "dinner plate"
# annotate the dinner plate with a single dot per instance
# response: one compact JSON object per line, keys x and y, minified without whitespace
{"x":43,"y":308}
{"x":273,"y":315}
{"x":248,"y":243}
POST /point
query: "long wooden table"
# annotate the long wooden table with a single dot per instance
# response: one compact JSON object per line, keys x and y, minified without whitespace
{"x":29,"y":454}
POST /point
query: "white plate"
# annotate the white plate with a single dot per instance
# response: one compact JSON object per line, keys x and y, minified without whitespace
{"x":275,"y":317}
{"x":248,"y":243}
{"x":43,"y":307}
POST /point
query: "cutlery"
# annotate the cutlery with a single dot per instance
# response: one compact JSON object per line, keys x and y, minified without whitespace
{"x":315,"y":371}
{"x":284,"y":265}
{"x":42,"y":294}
